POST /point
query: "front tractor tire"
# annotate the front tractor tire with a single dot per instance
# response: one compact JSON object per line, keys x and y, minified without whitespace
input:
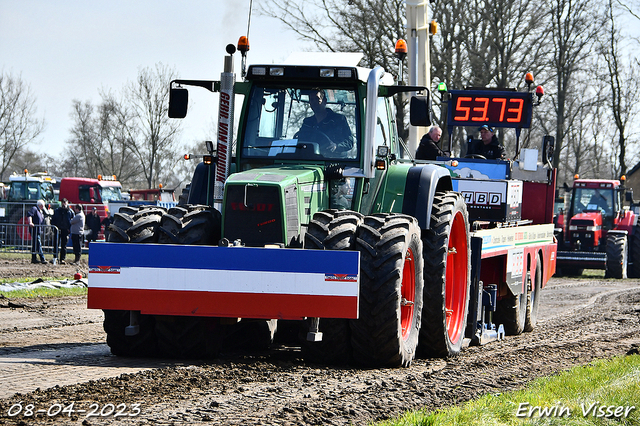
{"x":331,"y":230}
{"x":447,"y":274}
{"x":184,"y":337}
{"x":391,"y":284}
{"x":617,"y":256}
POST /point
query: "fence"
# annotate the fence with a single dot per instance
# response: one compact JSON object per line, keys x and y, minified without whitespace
{"x":16,"y":238}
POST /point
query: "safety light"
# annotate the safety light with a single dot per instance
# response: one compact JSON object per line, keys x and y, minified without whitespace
{"x":442,"y":87}
{"x":380,"y":165}
{"x":26,"y":172}
{"x":243,"y":45}
{"x":99,"y":177}
{"x":539,"y":92}
{"x":454,"y":163}
{"x":187,"y":156}
{"x":576,"y":176}
{"x":433,"y":27}
{"x":528,"y":78}
{"x":623,"y":178}
{"x":160,"y":186}
{"x":401,"y":49}
{"x":207,"y":159}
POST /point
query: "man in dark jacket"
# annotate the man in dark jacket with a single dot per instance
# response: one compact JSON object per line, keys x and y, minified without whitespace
{"x":62,"y":220}
{"x":428,"y":148}
{"x":489,"y":146}
{"x":94,"y":224}
{"x":329,"y":129}
{"x":35,"y":218}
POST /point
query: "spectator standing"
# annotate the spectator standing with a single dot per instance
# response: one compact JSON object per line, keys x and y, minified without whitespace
{"x":35,"y":217}
{"x":428,"y":148}
{"x":94,"y":224}
{"x":62,"y":220}
{"x":77,"y":230}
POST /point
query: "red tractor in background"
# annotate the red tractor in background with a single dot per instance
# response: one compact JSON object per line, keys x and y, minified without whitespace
{"x":596,"y":231}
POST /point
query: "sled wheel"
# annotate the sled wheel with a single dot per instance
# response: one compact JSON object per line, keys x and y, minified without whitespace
{"x":142,"y":344}
{"x":511,"y":312}
{"x":330,"y":230}
{"x":447,"y":273}
{"x":391,"y":283}
{"x":533,"y":296}
{"x":617,"y":251}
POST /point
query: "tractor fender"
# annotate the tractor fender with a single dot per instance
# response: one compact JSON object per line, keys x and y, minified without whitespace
{"x":619,"y":232}
{"x":202,"y":185}
{"x":422,"y":183}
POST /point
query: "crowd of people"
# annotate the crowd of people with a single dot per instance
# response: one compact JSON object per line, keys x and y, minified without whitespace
{"x":70,"y":221}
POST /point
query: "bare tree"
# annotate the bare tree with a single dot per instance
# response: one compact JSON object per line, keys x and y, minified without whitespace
{"x":624,"y":87}
{"x":142,"y":114}
{"x":18,"y":123}
{"x":96,"y":146}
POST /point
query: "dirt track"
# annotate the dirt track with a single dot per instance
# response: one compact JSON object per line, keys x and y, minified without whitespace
{"x":59,"y":342}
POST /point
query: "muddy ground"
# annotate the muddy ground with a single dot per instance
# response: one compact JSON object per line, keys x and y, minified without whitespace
{"x":56,"y":369}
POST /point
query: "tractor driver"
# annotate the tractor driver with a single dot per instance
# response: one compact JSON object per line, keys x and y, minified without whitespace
{"x":489,"y":146}
{"x":601,"y":201}
{"x":329,"y":129}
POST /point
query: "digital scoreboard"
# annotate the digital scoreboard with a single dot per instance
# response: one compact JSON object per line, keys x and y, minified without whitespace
{"x":495,"y":108}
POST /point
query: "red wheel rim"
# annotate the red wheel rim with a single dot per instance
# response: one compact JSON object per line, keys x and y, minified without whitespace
{"x":456,"y":278}
{"x":408,"y":291}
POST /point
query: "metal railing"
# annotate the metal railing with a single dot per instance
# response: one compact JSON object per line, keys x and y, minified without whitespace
{"x":17,"y":238}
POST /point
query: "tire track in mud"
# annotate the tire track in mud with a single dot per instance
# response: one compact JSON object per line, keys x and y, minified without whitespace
{"x":582,"y":322}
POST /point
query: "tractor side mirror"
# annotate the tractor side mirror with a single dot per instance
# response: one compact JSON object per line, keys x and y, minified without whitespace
{"x":178,"y":102}
{"x":420,"y":111}
{"x":628,"y":195}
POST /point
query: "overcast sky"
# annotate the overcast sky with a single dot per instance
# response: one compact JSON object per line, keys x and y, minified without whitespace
{"x":68,"y":50}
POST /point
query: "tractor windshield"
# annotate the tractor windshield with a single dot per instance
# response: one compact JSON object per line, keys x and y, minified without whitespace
{"x":297,"y":123}
{"x":591,"y":199}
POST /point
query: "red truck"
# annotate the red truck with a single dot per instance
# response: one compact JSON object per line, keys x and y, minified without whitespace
{"x":92,"y":193}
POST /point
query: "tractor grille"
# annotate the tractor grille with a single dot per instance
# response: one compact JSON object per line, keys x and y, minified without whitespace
{"x":260,"y":220}
{"x":582,"y":222}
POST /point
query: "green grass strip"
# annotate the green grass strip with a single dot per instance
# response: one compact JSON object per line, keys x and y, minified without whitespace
{"x":602,"y":393}
{"x":44,"y":292}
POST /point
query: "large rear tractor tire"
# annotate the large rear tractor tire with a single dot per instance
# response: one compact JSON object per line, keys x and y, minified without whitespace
{"x":617,"y":256}
{"x":391,"y":283}
{"x":330,"y":230}
{"x":447,"y":273}
{"x":533,"y":297}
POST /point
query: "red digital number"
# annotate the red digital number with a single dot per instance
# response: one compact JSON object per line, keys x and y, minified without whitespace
{"x":465,"y":110}
{"x":517,"y":110}
{"x":503,"y":104}
{"x":482,"y":109}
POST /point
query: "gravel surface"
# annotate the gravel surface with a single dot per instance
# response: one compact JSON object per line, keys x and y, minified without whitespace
{"x":53,"y":358}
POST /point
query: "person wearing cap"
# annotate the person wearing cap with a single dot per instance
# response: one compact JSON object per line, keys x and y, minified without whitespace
{"x":428,"y":148}
{"x":489,"y":147}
